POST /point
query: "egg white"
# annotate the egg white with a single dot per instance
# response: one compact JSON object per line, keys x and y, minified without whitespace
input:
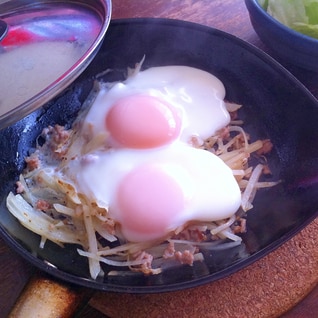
{"x":198,"y":96}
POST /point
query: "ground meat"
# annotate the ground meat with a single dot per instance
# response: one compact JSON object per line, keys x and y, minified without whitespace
{"x":224,"y":133}
{"x":239,"y":226}
{"x":33,"y":162}
{"x":240,"y":141}
{"x":109,"y":226}
{"x":42,"y":205}
{"x":57,"y":139}
{"x":169,"y":251}
{"x":191,"y":234}
{"x":20,"y":187}
{"x":185,"y":257}
{"x":198,"y":236}
{"x":146,"y":267}
{"x":210,"y":142}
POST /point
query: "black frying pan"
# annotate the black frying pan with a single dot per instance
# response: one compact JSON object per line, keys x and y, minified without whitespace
{"x":276,"y":106}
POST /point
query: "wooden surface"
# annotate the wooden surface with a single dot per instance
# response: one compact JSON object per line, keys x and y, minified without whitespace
{"x":227,"y":15}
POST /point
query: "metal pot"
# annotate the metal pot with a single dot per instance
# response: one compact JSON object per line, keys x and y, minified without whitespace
{"x":44,"y":46}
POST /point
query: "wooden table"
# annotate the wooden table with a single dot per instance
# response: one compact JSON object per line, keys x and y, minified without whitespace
{"x":227,"y":15}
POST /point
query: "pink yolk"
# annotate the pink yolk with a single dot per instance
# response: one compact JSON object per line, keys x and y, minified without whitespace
{"x":142,"y":121}
{"x":148,"y":200}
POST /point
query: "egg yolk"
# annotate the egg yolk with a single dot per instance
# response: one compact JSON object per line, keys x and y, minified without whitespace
{"x":148,"y":200}
{"x":141,"y":121}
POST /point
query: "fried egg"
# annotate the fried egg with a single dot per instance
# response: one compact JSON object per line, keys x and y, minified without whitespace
{"x":145,"y":172}
{"x":154,"y":107}
{"x":152,"y":192}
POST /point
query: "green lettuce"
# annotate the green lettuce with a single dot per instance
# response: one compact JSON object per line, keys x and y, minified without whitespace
{"x":299,"y":15}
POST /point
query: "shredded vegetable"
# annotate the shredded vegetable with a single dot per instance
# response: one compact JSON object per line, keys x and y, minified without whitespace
{"x":49,"y":206}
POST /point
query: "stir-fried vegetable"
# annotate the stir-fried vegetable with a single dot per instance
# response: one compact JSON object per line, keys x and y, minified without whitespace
{"x":50,"y":207}
{"x":47,"y":201}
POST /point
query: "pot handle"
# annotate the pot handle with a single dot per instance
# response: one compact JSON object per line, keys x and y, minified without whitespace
{"x":43,"y":297}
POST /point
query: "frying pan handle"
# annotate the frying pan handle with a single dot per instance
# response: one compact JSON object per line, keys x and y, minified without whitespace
{"x":44,"y":298}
